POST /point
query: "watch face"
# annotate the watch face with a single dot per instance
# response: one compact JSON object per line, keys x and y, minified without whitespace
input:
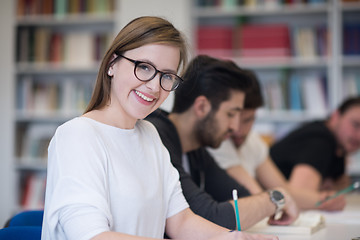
{"x":277,"y":195}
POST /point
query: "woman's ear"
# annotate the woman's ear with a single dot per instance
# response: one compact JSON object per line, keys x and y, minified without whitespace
{"x":111,"y":69}
{"x":110,"y":72}
{"x":202,"y":106}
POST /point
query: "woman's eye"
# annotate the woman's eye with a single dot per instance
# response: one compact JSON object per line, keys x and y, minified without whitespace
{"x":144,"y":67}
{"x":168,"y":77}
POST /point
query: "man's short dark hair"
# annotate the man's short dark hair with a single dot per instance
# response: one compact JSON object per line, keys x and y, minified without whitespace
{"x":253,"y":98}
{"x":212,"y":78}
{"x":349,"y":103}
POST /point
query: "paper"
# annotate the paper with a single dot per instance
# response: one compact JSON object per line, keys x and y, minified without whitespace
{"x":307,"y":224}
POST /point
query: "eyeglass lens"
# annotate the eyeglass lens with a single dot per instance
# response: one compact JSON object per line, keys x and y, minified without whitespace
{"x":145,"y":72}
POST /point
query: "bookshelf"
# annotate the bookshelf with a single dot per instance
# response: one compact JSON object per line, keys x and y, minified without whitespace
{"x":301,"y":50}
{"x":59,"y":45}
{"x":350,"y":62}
{"x":7,"y":88}
{"x":349,"y":18}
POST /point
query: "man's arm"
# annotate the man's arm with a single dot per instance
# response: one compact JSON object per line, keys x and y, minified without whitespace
{"x":203,"y":204}
{"x":305,"y":176}
{"x":254,"y":208}
{"x":270,"y":176}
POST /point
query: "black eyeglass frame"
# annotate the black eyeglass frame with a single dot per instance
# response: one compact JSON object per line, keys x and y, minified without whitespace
{"x":136,"y":63}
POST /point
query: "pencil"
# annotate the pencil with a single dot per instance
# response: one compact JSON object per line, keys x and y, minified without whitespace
{"x":350,"y":188}
{"x":235,"y":197}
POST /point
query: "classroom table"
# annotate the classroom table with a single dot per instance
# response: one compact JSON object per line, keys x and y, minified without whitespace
{"x":344,"y":225}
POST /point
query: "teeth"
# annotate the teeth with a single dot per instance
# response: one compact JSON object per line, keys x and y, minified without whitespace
{"x":144,"y":97}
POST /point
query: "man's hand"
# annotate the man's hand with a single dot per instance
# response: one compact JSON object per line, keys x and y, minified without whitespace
{"x":334,"y":204}
{"x":289,"y":213}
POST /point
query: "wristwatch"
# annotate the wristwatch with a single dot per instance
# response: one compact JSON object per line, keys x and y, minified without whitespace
{"x":278,"y":199}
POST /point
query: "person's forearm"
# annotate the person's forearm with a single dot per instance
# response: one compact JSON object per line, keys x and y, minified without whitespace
{"x":305,"y":199}
{"x":204,"y":231}
{"x":188,"y":225}
{"x":254,"y":208}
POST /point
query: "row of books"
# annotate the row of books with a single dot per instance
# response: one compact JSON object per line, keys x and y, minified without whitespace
{"x":305,"y":92}
{"x":50,"y":96}
{"x":254,"y":3}
{"x":77,"y":49}
{"x":351,"y":39}
{"x":63,"y":7}
{"x":261,"y":40}
{"x":351,"y":84}
{"x":35,"y":139}
{"x":33,"y":191}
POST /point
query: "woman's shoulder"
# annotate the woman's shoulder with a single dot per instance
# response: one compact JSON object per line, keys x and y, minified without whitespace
{"x":74,"y":124}
{"x":78,"y":126}
{"x":146,"y":127}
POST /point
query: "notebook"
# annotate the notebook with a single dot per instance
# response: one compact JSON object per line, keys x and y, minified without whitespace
{"x":306,"y":224}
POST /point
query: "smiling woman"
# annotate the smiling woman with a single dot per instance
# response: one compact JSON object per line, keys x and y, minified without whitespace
{"x":132,"y":97}
{"x":109,"y":175}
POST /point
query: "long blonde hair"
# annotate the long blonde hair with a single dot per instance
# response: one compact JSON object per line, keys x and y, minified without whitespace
{"x":137,"y":33}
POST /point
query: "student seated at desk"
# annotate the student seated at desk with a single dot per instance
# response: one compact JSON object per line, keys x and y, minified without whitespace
{"x":109,"y":176}
{"x":245,"y":157}
{"x":313,"y":156}
{"x":206,"y":110}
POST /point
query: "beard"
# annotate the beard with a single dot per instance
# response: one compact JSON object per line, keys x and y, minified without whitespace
{"x":207,"y":132}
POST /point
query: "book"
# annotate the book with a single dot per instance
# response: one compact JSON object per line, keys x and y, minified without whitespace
{"x":295,"y":98}
{"x":314,"y":95}
{"x":306,"y":224}
{"x":41,"y":45}
{"x":34,"y":191}
{"x":304,"y":39}
{"x":79,"y":49}
{"x":264,"y":40}
{"x":60,"y":8}
{"x":214,"y":37}
{"x":35,"y":143}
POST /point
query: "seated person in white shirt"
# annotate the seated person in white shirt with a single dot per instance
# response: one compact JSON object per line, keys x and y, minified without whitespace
{"x":245,"y":156}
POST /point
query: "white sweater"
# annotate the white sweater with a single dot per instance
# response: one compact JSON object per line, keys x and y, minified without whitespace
{"x":250,"y":155}
{"x":102,"y":178}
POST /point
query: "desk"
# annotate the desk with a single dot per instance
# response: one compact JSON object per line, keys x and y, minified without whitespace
{"x":343,"y":225}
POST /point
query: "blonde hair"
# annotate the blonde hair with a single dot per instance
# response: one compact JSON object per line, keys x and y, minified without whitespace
{"x":137,"y":33}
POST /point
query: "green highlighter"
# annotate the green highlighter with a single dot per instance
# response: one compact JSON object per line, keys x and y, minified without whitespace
{"x":350,"y":188}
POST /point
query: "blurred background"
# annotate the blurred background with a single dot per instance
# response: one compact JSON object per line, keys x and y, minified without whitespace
{"x":306,"y":54}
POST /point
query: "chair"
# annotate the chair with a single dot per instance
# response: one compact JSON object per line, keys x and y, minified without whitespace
{"x":26,"y":218}
{"x":21,"y":233}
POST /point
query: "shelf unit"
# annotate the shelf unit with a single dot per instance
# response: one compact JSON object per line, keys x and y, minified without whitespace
{"x":53,"y":88}
{"x":350,"y":62}
{"x":331,"y":66}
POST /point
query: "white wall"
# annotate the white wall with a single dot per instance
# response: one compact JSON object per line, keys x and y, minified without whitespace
{"x":176,"y":11}
{"x":7,"y":180}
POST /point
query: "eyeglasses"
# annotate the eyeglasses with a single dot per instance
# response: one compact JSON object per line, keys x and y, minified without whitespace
{"x":145,"y":71}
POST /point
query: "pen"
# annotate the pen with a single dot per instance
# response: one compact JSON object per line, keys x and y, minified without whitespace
{"x":235,"y":197}
{"x":350,"y":188}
